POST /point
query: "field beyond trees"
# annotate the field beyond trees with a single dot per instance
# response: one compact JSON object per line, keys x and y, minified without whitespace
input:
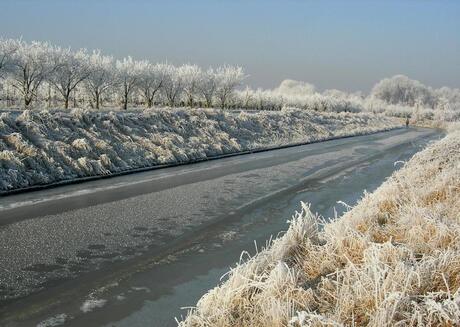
{"x":394,"y":259}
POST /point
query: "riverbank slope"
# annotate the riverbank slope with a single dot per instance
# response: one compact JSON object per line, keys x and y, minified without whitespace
{"x":392,"y":259}
{"x":47,"y":147}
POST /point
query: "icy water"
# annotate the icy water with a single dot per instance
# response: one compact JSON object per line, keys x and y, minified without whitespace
{"x":135,"y":249}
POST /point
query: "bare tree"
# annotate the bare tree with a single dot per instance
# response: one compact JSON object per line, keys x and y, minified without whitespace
{"x":173,"y":85}
{"x":228,"y":78}
{"x":30,"y":66}
{"x":151,"y":80}
{"x":8,"y":48}
{"x":190,"y":75}
{"x":128,"y":75}
{"x":101,"y":77}
{"x":207,"y":86}
{"x":71,"y":68}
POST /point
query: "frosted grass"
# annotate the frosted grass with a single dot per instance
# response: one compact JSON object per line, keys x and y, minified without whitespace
{"x":393,"y":259}
{"x":43,"y":147}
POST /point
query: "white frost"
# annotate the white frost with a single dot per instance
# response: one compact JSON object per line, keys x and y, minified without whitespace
{"x":91,"y":304}
{"x":56,"y":320}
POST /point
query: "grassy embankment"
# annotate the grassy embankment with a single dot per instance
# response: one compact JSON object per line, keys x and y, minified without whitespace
{"x":394,"y":259}
{"x":45,"y":147}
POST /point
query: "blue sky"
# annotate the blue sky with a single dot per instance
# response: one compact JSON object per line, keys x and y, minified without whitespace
{"x":347,"y":45}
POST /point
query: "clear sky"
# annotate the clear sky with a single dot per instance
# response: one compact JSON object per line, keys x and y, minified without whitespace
{"x":347,"y":45}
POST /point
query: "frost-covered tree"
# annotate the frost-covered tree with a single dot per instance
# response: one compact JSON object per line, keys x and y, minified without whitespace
{"x":400,"y":89}
{"x":448,"y":98}
{"x":173,"y":85}
{"x":31,"y":64}
{"x":7,"y":49}
{"x":151,"y":80}
{"x":190,"y":75}
{"x":100,"y":78}
{"x":39,"y":72}
{"x":71,"y":68}
{"x":246,"y":97}
{"x":207,"y":86}
{"x":128,"y":75}
{"x":228,"y":78}
{"x":289,"y":87}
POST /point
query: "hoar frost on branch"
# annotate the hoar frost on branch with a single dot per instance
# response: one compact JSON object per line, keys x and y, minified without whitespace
{"x":30,"y":64}
{"x":100,"y":78}
{"x":152,"y":77}
{"x":190,"y":78}
{"x":172,"y":87}
{"x":8,"y":48}
{"x":228,"y":78}
{"x":127,"y":78}
{"x":70,"y":69}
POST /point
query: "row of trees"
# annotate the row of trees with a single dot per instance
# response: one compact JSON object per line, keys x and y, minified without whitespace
{"x":397,"y":96}
{"x":38,"y":70}
{"x":48,"y":74}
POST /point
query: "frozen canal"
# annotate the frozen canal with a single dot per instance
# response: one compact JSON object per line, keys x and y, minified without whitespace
{"x":132,"y":250}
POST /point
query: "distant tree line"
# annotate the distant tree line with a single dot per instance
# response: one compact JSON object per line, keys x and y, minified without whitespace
{"x":43,"y":75}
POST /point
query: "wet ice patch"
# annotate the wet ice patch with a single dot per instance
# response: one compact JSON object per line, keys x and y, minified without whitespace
{"x":228,"y":236}
{"x":141,"y":288}
{"x":56,"y":320}
{"x":170,"y":258}
{"x":91,"y":304}
{"x":120,"y":297}
{"x":104,"y":288}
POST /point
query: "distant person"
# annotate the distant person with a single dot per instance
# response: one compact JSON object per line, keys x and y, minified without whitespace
{"x":407,"y":122}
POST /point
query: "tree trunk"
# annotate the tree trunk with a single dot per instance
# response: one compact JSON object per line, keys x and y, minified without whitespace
{"x":125,"y":97}
{"x":27,"y":101}
{"x":49,"y":96}
{"x":27,"y":97}
{"x":66,"y":100}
